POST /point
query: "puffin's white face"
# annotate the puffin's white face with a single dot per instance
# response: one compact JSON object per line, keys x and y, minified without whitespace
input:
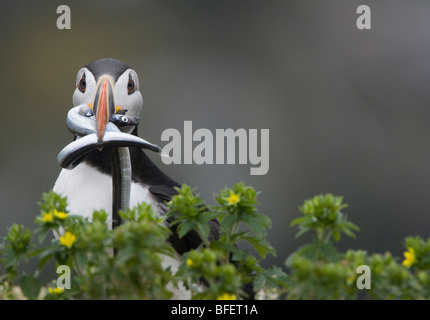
{"x":124,"y":92}
{"x":85,"y":88}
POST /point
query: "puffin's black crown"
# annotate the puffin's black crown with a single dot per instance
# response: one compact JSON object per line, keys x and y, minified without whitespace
{"x":112,"y":67}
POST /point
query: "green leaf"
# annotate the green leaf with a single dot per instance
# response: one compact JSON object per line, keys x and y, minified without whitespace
{"x":81,"y":259}
{"x":43,"y":232}
{"x":299,"y":220}
{"x":262,"y":246}
{"x":124,"y":255}
{"x":185,"y":227}
{"x":318,"y":250}
{"x":257,"y":224}
{"x":274,"y":277}
{"x":204,"y":227}
{"x":11,"y":259}
{"x":30,"y":286}
{"x":35,"y":253}
{"x":329,"y":252}
{"x":309,"y":251}
{"x":47,"y":251}
{"x":302,"y":231}
{"x":336,"y":235}
{"x":44,"y":260}
{"x":227,"y":222}
{"x":351,"y":225}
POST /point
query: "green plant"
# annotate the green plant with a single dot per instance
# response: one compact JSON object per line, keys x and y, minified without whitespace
{"x":220,"y":268}
{"x":220,"y":262}
{"x":87,"y":247}
{"x":319,"y":271}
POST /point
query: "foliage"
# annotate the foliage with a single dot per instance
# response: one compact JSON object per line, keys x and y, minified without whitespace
{"x":319,"y":271}
{"x":126,"y":263}
{"x":222,"y":265}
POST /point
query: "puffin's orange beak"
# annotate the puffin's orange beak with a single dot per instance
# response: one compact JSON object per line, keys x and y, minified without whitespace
{"x":104,"y":106}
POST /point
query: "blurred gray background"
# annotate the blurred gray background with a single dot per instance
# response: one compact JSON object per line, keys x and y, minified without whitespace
{"x":348,"y":110}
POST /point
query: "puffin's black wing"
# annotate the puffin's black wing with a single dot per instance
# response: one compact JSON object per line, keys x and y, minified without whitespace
{"x":162,"y":192}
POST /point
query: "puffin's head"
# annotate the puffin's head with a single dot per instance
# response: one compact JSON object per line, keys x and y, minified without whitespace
{"x":108,"y":86}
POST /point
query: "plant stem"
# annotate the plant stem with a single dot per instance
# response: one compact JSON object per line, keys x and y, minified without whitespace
{"x":327,"y":236}
{"x":78,"y":270}
{"x":232,"y":231}
{"x":234,"y":228}
{"x":202,"y":236}
{"x":320,"y":234}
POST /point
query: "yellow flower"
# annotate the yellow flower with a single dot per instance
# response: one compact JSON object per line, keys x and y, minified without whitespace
{"x":410,"y":257}
{"x":227,"y":296}
{"x":47,"y":217}
{"x":68,"y":239}
{"x":234,"y":198}
{"x":60,"y":214}
{"x":189,"y":262}
{"x":55,"y":290}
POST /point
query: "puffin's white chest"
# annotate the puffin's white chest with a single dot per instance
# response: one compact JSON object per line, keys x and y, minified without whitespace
{"x":87,"y":189}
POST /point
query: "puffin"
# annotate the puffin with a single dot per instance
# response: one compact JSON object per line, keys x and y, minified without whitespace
{"x":110,"y":87}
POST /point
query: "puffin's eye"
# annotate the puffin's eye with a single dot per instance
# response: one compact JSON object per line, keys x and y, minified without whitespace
{"x":82,"y":84}
{"x":131,"y":86}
